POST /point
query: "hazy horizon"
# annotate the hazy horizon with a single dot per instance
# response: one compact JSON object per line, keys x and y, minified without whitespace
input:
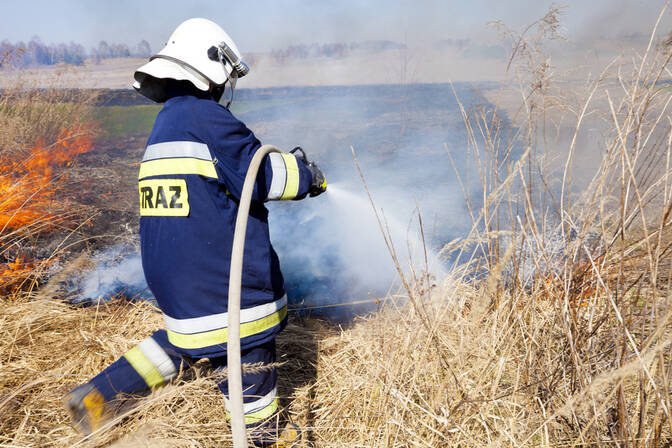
{"x":265,"y":25}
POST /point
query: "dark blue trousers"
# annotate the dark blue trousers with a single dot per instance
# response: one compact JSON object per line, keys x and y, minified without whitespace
{"x":155,"y":361}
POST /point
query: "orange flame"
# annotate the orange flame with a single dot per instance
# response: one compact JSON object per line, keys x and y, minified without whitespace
{"x":16,"y":272}
{"x":27,"y":186}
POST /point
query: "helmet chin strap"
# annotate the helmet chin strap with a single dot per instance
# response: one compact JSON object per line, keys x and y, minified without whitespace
{"x":226,"y":55}
{"x":231,"y":81}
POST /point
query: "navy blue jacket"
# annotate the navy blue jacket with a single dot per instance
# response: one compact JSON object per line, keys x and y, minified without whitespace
{"x":190,"y":180}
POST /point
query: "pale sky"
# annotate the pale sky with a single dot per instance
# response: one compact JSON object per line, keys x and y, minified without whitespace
{"x":266,"y":24}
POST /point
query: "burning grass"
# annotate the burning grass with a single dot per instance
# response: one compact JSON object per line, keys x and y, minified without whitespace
{"x":43,"y":131}
{"x":30,"y":188}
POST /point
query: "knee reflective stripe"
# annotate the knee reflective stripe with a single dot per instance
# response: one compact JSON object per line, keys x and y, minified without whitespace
{"x":216,"y":337}
{"x":177,"y":158}
{"x":151,"y":362}
{"x":221,"y":320}
{"x":210,"y":330}
{"x":258,"y":410}
{"x":262,"y":414}
{"x":285,"y":182}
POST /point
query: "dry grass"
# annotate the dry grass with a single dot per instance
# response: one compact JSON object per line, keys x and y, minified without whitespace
{"x":553,"y":329}
{"x":485,"y":376}
{"x":41,"y":133}
{"x":48,"y":347}
{"x":29,"y":114}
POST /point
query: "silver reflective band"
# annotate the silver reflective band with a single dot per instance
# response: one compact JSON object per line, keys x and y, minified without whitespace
{"x":221,"y":320}
{"x":279,"y":177}
{"x":157,"y":356}
{"x":256,"y":405}
{"x":169,"y":150}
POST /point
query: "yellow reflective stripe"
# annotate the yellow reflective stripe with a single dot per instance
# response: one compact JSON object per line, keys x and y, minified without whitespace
{"x":182,"y":165}
{"x":215,"y":337}
{"x":292,"y":183}
{"x":220,"y":320}
{"x":260,"y":415}
{"x":144,"y":367}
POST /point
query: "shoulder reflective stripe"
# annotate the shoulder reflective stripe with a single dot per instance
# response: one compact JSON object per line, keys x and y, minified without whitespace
{"x":144,"y":367}
{"x":292,"y":186}
{"x":153,"y":351}
{"x":279,"y":176}
{"x":256,"y":405}
{"x":171,"y":150}
{"x":221,"y":320}
{"x":260,"y":415}
{"x":216,"y":337}
{"x":161,"y":167}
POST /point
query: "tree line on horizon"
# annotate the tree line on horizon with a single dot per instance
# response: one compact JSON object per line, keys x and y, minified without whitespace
{"x":329,"y":50}
{"x":36,"y":53}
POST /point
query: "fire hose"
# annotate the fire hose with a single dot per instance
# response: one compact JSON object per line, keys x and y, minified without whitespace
{"x":234,"y":368}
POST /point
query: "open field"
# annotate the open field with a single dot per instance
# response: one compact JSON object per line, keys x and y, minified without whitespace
{"x":137,"y":119}
{"x":380,"y":68}
{"x":426,"y":64}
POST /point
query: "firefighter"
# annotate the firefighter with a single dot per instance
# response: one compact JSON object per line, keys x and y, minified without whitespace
{"x":190,"y":179}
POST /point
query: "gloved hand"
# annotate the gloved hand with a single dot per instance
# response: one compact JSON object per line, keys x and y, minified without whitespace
{"x":319,"y":183}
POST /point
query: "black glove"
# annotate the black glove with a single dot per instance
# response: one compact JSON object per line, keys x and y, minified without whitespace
{"x":319,"y":183}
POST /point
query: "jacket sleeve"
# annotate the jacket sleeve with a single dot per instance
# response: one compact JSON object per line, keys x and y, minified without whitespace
{"x":287,"y":177}
{"x":281,"y":177}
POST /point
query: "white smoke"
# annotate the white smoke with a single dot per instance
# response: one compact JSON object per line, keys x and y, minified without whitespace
{"x":331,"y":248}
{"x":118,"y":271}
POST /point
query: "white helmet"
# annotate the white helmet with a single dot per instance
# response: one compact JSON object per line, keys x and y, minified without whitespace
{"x":198,"y":51}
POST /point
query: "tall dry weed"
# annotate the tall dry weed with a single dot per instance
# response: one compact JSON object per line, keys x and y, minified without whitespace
{"x":578,"y":263}
{"x":555,"y":329}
